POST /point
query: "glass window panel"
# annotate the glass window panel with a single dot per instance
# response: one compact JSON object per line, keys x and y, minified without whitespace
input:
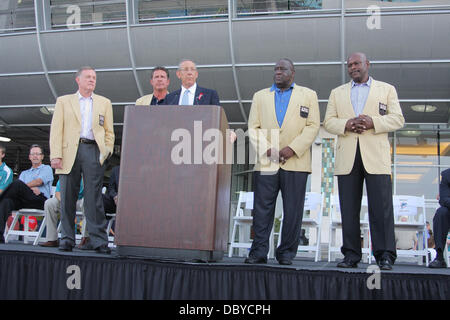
{"x":387,"y":3}
{"x":418,"y":181}
{"x":445,"y":148}
{"x":150,"y":10}
{"x":245,"y":6}
{"x":415,"y":147}
{"x":17,"y":15}
{"x":65,"y":14}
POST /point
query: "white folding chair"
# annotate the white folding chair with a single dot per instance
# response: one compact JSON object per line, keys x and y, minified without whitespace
{"x":26,"y":233}
{"x":313,"y":204}
{"x":414,"y":208}
{"x":242,"y":221}
{"x":112,"y":218}
{"x":336,"y":224}
{"x":364,"y":224}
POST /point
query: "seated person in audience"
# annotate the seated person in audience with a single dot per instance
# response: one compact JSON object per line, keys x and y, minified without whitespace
{"x":405,"y":239}
{"x":29,"y":191}
{"x":441,"y":220}
{"x":52,"y":209}
{"x":6,"y":174}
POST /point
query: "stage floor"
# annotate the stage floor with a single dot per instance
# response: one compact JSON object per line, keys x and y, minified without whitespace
{"x":298,"y":263}
{"x":33,"y":272}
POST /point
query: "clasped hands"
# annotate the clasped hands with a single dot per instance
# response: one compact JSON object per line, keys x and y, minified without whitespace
{"x":359,"y":124}
{"x":280,"y":156}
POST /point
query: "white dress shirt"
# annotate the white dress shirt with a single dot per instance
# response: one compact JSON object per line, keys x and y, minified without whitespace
{"x":86,"y":117}
{"x":191,"y":94}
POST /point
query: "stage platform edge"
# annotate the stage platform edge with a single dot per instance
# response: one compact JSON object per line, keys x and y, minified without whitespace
{"x":28,"y":272}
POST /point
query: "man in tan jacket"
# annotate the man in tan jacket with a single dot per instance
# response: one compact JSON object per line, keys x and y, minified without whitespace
{"x":362,"y":113}
{"x":283,"y":123}
{"x":160,"y":82}
{"x":81,"y":139}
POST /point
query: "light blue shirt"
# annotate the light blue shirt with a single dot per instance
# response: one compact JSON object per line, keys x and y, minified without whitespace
{"x":6,"y":176}
{"x":44,"y":172}
{"x":359,"y":94}
{"x":281,"y":101}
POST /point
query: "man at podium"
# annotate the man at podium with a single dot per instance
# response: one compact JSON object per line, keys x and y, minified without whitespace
{"x":190,"y":93}
{"x":283,"y":123}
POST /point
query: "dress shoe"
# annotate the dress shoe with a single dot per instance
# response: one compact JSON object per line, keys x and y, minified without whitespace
{"x":65,"y":246}
{"x":49,"y":244}
{"x":2,"y":240}
{"x":437,"y":263}
{"x":285,"y":262}
{"x":385,"y":264}
{"x":347,"y":264}
{"x":103,"y":249}
{"x":253,"y":260}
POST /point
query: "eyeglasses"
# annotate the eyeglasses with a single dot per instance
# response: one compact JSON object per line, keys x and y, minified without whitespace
{"x":35,"y":154}
{"x":188,"y":69}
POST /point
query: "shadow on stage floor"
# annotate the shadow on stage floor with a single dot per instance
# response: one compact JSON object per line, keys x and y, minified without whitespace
{"x":32,"y":272}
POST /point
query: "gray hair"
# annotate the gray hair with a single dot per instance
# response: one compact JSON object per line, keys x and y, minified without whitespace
{"x":83,"y":69}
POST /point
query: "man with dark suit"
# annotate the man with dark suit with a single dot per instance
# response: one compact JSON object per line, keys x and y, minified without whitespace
{"x":362,"y":113}
{"x":81,"y":139}
{"x":441,"y":221}
{"x":190,"y":93}
{"x":283,"y":123}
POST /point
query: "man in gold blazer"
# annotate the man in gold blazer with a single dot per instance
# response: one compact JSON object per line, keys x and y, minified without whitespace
{"x":283,"y":123}
{"x":160,"y":82}
{"x":81,"y":139}
{"x":362,"y":113}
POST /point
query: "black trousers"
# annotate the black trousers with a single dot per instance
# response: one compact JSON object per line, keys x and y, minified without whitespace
{"x":109,"y":204}
{"x":266,"y":187}
{"x":381,"y":212}
{"x":441,"y":225}
{"x":18,"y":196}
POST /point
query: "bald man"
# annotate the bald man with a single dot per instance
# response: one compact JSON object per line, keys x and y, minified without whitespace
{"x":361,"y":113}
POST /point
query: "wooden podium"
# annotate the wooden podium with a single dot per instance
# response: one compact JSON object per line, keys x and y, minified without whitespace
{"x":173,"y":200}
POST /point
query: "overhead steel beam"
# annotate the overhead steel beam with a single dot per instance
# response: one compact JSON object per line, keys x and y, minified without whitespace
{"x":233,"y":60}
{"x":39,"y":9}
{"x":131,"y":16}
